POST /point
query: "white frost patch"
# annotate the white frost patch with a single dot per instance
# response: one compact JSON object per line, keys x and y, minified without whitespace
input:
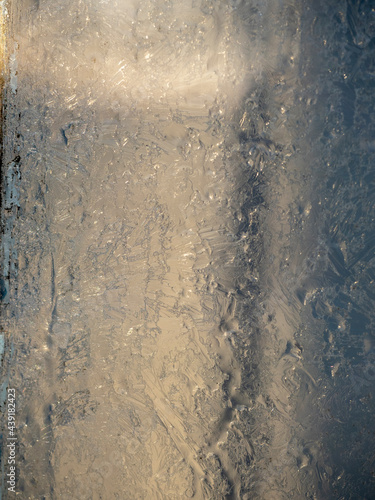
{"x":3,"y":8}
{"x":13,"y":67}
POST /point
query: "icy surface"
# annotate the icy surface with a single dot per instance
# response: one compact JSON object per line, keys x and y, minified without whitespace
{"x":188,"y":249}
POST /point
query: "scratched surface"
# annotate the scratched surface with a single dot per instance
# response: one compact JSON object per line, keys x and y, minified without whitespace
{"x":188,"y":249}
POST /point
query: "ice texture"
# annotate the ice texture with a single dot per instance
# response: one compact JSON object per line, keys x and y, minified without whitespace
{"x":187,"y":249}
